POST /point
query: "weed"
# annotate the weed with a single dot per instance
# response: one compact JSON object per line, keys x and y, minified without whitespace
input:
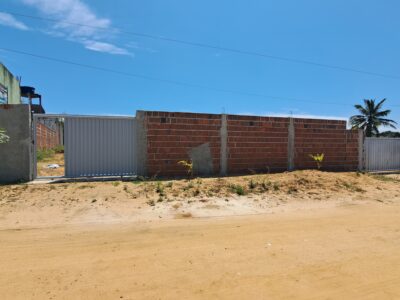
{"x":169,"y":184}
{"x":266,"y":185}
{"x":275,"y":186}
{"x":252,"y":184}
{"x":196,"y":192}
{"x":116,"y":183}
{"x":292,"y":189}
{"x":352,"y":187}
{"x":84,"y":186}
{"x":125,"y":188}
{"x":151,"y":202}
{"x":160,"y":189}
{"x":238,"y":189}
{"x":385,"y":178}
{"x":189,"y":186}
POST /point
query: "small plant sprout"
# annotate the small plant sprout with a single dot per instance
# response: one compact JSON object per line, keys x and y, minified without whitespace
{"x":188,"y":164}
{"x":318,"y":158}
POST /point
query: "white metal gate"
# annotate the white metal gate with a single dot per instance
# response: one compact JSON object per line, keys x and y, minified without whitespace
{"x":382,"y":154}
{"x":99,"y":146}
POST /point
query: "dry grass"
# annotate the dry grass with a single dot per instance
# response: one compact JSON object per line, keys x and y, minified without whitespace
{"x":57,"y":158}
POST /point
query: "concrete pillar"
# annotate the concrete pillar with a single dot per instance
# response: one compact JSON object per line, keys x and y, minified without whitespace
{"x":361,"y":150}
{"x":16,"y":156}
{"x":291,"y":149}
{"x":141,"y":143}
{"x":224,"y":145}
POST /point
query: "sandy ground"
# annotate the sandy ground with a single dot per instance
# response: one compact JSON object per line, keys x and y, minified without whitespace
{"x":314,"y":237}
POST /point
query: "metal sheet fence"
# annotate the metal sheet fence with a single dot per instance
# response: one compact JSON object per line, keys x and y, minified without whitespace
{"x":382,"y":154}
{"x":99,"y":146}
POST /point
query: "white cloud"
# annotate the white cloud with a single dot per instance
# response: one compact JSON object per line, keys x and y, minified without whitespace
{"x":105,"y":47}
{"x":10,"y":21}
{"x":72,"y":15}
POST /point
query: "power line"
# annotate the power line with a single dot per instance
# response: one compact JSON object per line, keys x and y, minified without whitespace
{"x":180,"y":83}
{"x":214,"y":47}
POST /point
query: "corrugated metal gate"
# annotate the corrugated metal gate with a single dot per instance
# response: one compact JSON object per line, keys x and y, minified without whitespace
{"x":382,"y":154}
{"x":99,"y":146}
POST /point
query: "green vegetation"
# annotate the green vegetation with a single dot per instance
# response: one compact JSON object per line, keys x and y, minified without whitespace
{"x":238,"y":189}
{"x":59,"y":149}
{"x":43,"y":154}
{"x":371,"y":117}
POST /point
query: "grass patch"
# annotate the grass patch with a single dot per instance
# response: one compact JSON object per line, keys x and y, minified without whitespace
{"x":384,"y":178}
{"x":43,"y":154}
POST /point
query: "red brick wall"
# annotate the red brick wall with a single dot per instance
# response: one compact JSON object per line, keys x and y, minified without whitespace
{"x":257,"y":144}
{"x":170,"y":136}
{"x":46,"y":138}
{"x":340,"y":146}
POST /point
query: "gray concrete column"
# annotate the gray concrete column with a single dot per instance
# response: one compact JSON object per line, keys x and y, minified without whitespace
{"x":141,"y":144}
{"x":224,"y":145}
{"x":291,"y":149}
{"x":16,"y":156}
{"x":361,"y":151}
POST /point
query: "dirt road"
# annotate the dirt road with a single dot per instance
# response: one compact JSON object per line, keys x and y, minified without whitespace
{"x":347,"y":252}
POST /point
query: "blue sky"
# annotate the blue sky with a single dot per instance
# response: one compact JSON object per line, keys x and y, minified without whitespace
{"x":354,"y":34}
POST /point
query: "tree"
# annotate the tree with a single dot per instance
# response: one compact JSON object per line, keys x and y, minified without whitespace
{"x":4,"y":138}
{"x":371,"y":117}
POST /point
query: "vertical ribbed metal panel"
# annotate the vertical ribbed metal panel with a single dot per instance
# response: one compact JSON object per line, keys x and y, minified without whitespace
{"x":382,"y":154}
{"x":99,"y":146}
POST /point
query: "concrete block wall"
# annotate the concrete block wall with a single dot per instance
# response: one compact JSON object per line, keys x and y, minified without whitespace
{"x":233,"y":144}
{"x":46,"y":138}
{"x":171,"y":136}
{"x":257,"y":144}
{"x":340,"y":146}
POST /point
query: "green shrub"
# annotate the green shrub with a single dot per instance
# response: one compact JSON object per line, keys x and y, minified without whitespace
{"x":59,"y":149}
{"x":42,"y":154}
{"x":238,"y":189}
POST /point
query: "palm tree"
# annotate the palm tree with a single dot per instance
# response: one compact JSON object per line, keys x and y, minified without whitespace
{"x":371,"y":117}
